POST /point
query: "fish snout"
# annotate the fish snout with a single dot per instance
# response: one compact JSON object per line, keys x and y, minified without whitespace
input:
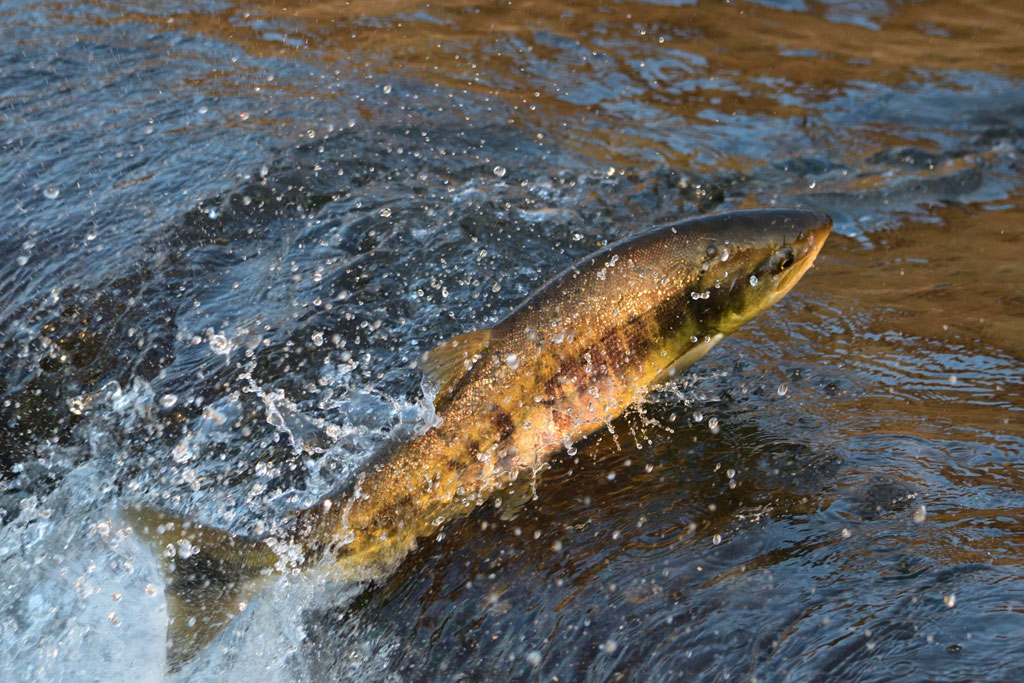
{"x":808,"y":230}
{"x":820,"y":229}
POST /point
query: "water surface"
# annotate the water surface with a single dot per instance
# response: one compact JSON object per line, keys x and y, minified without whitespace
{"x":228,"y":229}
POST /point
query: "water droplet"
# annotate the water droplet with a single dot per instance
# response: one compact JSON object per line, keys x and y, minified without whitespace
{"x":220,"y":345}
{"x":512,"y":360}
{"x":186,"y":549}
{"x":51,"y":193}
{"x":21,"y":260}
{"x":77,"y":405}
{"x":385,"y":212}
{"x":724,"y":256}
{"x":753,"y":281}
{"x":950,"y":600}
{"x":716,"y":539}
{"x":168,"y":400}
{"x":114,"y":619}
{"x":952,"y":379}
{"x":533,"y":658}
{"x":698,"y":417}
{"x":783,"y":388}
{"x":500,"y":171}
{"x":203,"y":109}
{"x":846,"y":533}
{"x":920,"y":513}
{"x":713,"y":425}
{"x":730,"y":473}
{"x":387,"y":89}
{"x":318,"y":338}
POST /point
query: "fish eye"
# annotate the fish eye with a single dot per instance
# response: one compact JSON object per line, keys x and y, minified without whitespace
{"x":784,"y":258}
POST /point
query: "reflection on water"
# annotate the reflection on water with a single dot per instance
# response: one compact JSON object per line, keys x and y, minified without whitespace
{"x":229,"y":228}
{"x":707,"y":85}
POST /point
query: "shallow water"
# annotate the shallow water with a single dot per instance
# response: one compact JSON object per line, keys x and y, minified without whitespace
{"x":229,"y":227}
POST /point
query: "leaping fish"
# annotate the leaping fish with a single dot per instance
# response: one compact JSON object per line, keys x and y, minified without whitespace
{"x":570,"y":358}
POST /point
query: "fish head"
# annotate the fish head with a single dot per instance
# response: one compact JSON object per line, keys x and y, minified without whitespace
{"x":750,"y":260}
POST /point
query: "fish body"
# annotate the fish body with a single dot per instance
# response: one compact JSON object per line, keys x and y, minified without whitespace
{"x":568,"y":360}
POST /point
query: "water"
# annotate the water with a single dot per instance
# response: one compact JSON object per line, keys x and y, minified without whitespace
{"x":228,"y":229}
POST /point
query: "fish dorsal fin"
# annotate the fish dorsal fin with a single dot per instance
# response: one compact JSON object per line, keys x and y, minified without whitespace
{"x":444,"y":364}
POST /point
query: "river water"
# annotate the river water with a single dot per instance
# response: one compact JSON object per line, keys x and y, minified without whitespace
{"x":227,"y":228}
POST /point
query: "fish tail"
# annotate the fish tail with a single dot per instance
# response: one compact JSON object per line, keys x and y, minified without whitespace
{"x":210,"y":576}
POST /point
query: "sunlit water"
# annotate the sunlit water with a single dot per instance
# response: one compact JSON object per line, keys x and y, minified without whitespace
{"x":227,"y":229}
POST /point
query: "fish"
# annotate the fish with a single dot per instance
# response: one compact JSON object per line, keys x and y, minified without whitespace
{"x":569,"y":359}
